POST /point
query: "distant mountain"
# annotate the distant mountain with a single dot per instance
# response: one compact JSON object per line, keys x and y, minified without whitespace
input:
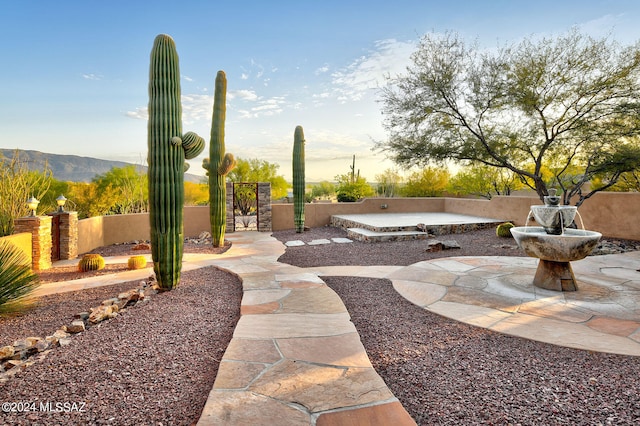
{"x":73,"y":168}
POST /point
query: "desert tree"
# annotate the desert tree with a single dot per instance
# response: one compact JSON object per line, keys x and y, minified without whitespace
{"x":566,"y":102}
{"x":427,"y":182}
{"x":483,"y":181}
{"x":17,"y":183}
{"x":389,"y":183}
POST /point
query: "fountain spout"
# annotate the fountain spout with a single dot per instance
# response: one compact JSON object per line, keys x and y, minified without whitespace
{"x":553,"y":217}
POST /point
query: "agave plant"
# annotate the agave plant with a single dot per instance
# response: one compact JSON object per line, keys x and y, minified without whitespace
{"x":17,"y":279}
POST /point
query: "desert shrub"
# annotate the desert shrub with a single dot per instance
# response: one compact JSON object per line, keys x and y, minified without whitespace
{"x":504,"y":230}
{"x":91,"y":262}
{"x":17,"y":279}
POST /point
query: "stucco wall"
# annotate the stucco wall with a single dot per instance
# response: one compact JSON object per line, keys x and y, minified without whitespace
{"x":23,"y":242}
{"x":613,"y":214}
{"x":106,"y":230}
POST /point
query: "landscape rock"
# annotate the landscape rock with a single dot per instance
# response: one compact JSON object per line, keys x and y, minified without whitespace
{"x":437,"y":245}
{"x":76,"y":326}
{"x":60,"y":334}
{"x":65,"y":341}
{"x":112,"y":301}
{"x":82,"y":315}
{"x":102,"y":313}
{"x":53,"y":341}
{"x":42,"y":345}
{"x":6,"y":352}
{"x":12,"y":363}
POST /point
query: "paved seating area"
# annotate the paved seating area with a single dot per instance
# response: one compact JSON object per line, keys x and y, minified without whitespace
{"x":380,"y":227}
{"x":296,"y":359}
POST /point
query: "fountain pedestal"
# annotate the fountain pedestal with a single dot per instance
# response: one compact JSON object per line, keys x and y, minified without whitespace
{"x":555,"y":253}
{"x":557,"y":276}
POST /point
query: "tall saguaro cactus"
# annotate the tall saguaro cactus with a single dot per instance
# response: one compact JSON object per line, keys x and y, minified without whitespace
{"x":219,"y":164}
{"x":168,"y":149}
{"x":298,"y":179}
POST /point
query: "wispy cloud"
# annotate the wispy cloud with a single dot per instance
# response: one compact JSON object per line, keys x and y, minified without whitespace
{"x":368,"y":72}
{"x":245,"y":95}
{"x":263,"y":107}
{"x":322,"y":70}
{"x":140,"y":113}
{"x":196,"y":108}
{"x":92,"y":76}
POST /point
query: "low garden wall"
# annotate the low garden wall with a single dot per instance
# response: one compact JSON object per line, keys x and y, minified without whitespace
{"x":614,"y":214}
{"x":23,"y":242}
{"x":611,"y":213}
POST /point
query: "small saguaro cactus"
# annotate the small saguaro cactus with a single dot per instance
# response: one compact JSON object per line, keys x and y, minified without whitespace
{"x":298,"y":179}
{"x":219,"y":164}
{"x":168,"y":149}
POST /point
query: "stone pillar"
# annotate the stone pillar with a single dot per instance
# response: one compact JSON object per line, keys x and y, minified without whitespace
{"x":68,"y":235}
{"x":231,"y":226}
{"x":264,"y":206}
{"x":40,"y":229}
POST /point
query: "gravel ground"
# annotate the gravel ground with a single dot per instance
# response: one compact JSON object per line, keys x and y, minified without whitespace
{"x":151,"y":365}
{"x":449,"y":373}
{"x":156,"y":362}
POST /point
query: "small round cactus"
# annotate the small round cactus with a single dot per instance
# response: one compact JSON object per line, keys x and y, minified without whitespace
{"x":137,"y":262}
{"x":91,"y":262}
{"x":504,"y":230}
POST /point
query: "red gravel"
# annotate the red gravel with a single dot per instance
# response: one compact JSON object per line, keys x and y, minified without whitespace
{"x":449,"y":373}
{"x":153,"y":364}
{"x":156,"y":362}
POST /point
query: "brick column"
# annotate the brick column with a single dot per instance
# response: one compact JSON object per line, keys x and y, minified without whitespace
{"x":231,"y":226}
{"x":264,"y":206}
{"x":40,"y":229}
{"x":68,"y":235}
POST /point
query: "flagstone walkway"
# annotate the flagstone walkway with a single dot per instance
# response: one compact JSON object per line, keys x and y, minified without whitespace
{"x":296,"y":358}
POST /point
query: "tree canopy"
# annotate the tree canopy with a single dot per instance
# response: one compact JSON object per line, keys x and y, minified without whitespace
{"x":567,"y":103}
{"x":255,"y":170}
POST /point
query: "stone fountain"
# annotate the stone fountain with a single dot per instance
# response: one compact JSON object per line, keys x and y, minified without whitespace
{"x":554,"y":243}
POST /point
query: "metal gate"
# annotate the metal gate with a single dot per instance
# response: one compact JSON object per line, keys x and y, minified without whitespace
{"x":246,"y":214}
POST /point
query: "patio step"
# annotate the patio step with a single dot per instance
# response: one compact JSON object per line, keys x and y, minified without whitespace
{"x":369,"y":236}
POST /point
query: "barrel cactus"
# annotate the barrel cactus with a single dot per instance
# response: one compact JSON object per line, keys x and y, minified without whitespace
{"x":168,"y":149}
{"x":219,"y":164}
{"x":504,"y":230}
{"x":91,"y":262}
{"x":137,"y":262}
{"x":298,"y":179}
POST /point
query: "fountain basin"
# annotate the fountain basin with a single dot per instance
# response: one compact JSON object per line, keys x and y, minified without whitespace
{"x":555,"y":252}
{"x":573,"y":244}
{"x":554,"y":218}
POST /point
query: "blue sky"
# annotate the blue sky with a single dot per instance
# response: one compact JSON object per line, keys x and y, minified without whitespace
{"x":74,"y":74}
